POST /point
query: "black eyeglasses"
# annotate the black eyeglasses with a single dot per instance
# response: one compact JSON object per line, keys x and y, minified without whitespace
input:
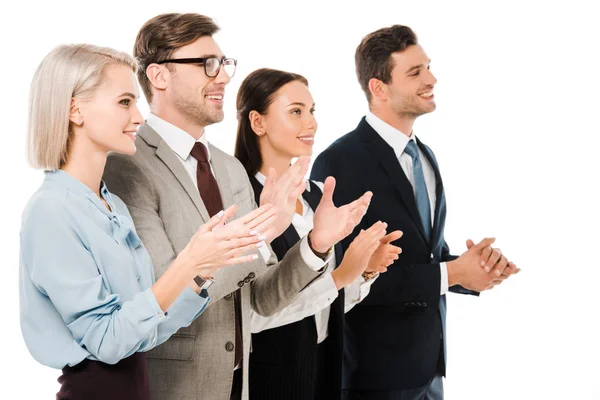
{"x":212,"y":65}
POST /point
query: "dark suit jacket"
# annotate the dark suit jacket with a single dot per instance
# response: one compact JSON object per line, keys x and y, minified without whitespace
{"x":395,"y":337}
{"x":285,"y":362}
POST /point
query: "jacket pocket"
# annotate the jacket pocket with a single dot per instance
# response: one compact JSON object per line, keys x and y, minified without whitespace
{"x":178,"y":347}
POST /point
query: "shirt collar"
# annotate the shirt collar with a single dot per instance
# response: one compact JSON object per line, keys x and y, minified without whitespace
{"x":176,"y":138}
{"x":67,"y":181}
{"x":392,"y":136}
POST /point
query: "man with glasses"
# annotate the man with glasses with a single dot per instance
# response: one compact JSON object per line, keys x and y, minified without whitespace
{"x":177,"y":180}
{"x":212,"y":64}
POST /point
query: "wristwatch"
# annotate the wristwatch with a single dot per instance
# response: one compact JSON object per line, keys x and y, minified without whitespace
{"x":203,"y":284}
{"x":322,"y":256}
{"x":369,"y":275}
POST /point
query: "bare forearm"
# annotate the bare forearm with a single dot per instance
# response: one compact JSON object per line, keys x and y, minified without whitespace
{"x":342,"y":278}
{"x":173,"y":282}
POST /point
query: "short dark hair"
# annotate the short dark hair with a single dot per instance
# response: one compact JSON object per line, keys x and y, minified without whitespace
{"x":256,"y":93}
{"x":162,"y":35}
{"x":373,"y":57}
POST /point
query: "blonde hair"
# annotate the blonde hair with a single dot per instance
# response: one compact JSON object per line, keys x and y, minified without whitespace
{"x":66,"y":72}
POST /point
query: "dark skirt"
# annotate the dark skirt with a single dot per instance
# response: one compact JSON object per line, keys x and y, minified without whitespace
{"x":90,"y":380}
{"x":305,"y":376}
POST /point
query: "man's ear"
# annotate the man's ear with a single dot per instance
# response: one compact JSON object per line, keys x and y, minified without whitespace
{"x":158,"y":75}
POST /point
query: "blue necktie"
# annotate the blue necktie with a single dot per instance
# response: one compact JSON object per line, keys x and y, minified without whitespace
{"x":421,"y":195}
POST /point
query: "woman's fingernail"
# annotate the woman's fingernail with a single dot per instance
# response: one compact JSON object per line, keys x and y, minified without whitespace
{"x":253,"y":232}
{"x":220,"y":213}
{"x":262,"y":237}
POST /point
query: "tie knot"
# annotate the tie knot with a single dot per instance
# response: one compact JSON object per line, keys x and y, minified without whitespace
{"x":199,"y":152}
{"x":411,"y":149}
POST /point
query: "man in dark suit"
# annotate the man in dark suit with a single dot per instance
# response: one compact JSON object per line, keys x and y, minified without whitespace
{"x":395,"y":346}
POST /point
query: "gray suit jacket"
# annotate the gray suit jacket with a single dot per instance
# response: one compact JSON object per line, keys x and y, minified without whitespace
{"x":198,"y":361}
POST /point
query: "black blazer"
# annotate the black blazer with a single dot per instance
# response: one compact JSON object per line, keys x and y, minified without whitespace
{"x":395,"y":336}
{"x":284,"y":362}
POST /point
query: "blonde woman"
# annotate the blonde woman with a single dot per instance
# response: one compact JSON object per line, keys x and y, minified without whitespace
{"x":89,"y":301}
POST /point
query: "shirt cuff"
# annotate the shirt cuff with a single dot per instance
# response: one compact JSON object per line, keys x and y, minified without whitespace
{"x":310,"y":258}
{"x":155,"y":307}
{"x":443,"y":279}
{"x":189,"y":305}
{"x":365,"y":286}
{"x":359,"y":289}
{"x":314,"y":298}
{"x":330,"y":291}
{"x":265,"y":252}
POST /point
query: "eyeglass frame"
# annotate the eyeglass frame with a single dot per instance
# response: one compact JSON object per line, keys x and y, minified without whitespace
{"x":202,"y":60}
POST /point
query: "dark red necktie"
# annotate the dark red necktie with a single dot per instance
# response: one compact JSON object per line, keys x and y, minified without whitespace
{"x":207,"y":184}
{"x":209,"y":191}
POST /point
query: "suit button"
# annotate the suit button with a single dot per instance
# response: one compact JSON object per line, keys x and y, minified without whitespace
{"x":251,"y":275}
{"x":229,"y":346}
{"x":418,"y":303}
{"x":247,"y":280}
{"x":228,"y":296}
{"x":424,"y":304}
{"x":241,"y":283}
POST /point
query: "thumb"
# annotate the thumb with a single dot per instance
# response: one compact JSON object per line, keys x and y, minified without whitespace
{"x":212,"y":223}
{"x":484,"y":243}
{"x":218,"y":218}
{"x":268,"y":187}
{"x":328,"y":188}
{"x":272,"y":176}
{"x":390,"y":237}
{"x":270,"y":181}
{"x":304,"y":162}
{"x":470,"y":243}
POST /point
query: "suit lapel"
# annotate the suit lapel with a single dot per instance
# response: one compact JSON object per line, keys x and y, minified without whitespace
{"x":168,"y":156}
{"x":440,"y":204}
{"x":387,"y":158}
{"x":221,"y":175}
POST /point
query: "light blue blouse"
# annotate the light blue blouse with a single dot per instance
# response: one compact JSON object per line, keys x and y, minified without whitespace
{"x":85,"y":279}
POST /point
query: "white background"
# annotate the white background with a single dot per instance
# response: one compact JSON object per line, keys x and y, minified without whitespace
{"x":515,"y":133}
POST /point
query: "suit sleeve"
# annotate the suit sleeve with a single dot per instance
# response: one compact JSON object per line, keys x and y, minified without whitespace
{"x":279,"y":285}
{"x":446,"y":256}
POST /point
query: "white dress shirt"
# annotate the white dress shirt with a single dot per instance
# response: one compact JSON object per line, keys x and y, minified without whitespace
{"x":318,"y":296}
{"x":398,"y":141}
{"x":182,"y":143}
